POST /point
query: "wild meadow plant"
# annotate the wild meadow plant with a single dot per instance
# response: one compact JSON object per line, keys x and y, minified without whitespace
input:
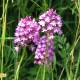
{"x":46,"y":42}
{"x":28,"y":31}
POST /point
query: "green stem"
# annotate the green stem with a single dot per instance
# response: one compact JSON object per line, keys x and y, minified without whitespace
{"x":2,"y":41}
{"x":18,"y":67}
{"x":38,"y":73}
{"x":44,"y":72}
{"x":3,"y":32}
{"x":77,"y":67}
{"x":52,"y":72}
{"x":77,"y":4}
{"x":44,"y":5}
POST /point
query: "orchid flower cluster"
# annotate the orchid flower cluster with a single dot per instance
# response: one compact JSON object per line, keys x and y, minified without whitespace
{"x":29,"y":30}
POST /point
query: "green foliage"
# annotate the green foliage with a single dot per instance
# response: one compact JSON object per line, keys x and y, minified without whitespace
{"x":20,"y":66}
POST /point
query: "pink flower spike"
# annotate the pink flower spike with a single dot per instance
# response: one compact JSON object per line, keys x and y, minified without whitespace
{"x":26,"y":31}
{"x":49,"y":20}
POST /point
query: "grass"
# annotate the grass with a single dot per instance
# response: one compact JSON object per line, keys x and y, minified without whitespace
{"x":20,"y":66}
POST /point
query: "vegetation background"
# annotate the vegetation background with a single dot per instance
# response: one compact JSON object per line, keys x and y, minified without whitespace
{"x":66,"y":63}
